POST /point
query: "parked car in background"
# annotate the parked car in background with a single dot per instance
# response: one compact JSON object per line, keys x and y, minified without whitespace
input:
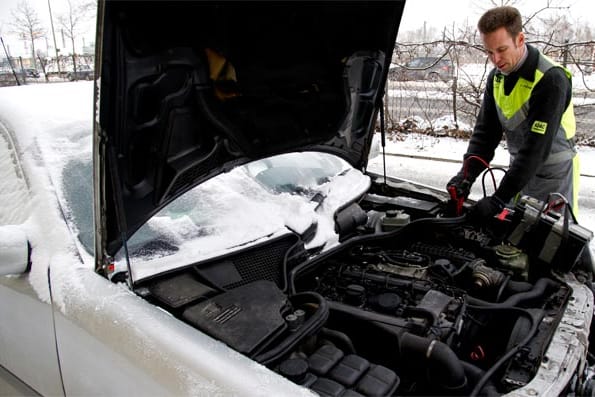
{"x":83,"y":72}
{"x":30,"y":72}
{"x":423,"y":68}
{"x":210,"y":227}
{"x":17,"y":77}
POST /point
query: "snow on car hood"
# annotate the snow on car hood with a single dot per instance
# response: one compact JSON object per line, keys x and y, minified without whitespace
{"x":189,"y":90}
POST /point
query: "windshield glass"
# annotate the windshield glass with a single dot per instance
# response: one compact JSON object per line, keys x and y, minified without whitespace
{"x":289,"y":193}
{"x":77,"y":184}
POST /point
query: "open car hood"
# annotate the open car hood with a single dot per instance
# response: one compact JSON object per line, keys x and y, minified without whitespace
{"x":188,"y":90}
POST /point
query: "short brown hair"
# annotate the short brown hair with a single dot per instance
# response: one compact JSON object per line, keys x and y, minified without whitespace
{"x":496,"y":18}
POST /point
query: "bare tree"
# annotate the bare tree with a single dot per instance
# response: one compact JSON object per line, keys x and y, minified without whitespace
{"x":570,"y":43}
{"x":27,"y":25}
{"x":72,"y":23}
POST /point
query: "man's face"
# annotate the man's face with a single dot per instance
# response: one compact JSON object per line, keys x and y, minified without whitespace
{"x":503,"y":50}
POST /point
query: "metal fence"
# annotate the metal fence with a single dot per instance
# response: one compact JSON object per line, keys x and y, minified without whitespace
{"x":433,"y":107}
{"x":20,"y":71}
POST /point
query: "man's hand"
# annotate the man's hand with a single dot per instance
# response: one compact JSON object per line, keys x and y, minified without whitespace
{"x":462,"y":186}
{"x":458,"y":188}
{"x":485,"y":209}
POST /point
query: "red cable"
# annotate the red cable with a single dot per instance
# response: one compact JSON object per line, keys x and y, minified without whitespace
{"x":485,"y":163}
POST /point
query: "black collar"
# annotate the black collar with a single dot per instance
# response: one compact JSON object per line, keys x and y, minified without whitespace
{"x":527,"y":70}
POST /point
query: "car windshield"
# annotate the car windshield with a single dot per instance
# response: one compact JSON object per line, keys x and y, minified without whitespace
{"x":290,"y":193}
{"x":417,"y":63}
{"x":79,"y":199}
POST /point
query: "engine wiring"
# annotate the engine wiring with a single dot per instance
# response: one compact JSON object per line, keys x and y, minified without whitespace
{"x":557,"y":205}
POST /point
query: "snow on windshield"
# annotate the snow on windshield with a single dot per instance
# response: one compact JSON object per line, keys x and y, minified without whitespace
{"x":246,"y":206}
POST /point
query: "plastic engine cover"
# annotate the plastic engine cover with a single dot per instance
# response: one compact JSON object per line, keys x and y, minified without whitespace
{"x":256,"y":307}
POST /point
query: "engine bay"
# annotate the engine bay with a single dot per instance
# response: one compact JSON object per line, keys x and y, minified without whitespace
{"x":412,"y":302}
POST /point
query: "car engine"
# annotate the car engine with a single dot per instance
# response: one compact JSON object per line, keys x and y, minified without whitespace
{"x":411,"y":302}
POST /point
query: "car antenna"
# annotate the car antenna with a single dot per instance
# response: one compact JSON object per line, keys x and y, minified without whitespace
{"x":383,"y":139}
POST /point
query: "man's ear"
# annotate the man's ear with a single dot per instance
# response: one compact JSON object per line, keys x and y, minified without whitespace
{"x":520,"y":39}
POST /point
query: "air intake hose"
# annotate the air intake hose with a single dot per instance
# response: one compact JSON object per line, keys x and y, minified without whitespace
{"x":443,"y":367}
{"x":538,"y":291}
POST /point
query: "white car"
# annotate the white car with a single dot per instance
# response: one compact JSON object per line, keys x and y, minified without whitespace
{"x":206,"y":226}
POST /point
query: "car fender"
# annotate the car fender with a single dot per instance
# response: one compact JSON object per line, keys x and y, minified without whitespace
{"x":112,"y":342}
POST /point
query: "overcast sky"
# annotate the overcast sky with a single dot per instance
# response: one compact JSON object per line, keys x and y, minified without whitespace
{"x":16,"y":47}
{"x":435,"y":13}
{"x":438,"y":13}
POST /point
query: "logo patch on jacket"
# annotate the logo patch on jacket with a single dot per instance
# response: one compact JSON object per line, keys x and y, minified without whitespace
{"x":539,"y":127}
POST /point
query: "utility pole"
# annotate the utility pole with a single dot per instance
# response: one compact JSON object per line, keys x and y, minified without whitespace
{"x":54,"y":36}
{"x":10,"y":62}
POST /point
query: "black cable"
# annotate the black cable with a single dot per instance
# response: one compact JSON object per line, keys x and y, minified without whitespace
{"x":483,"y":177}
{"x":483,"y":162}
{"x":490,"y":372}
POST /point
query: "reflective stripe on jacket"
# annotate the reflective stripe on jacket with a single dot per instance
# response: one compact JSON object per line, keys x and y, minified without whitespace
{"x":513,"y":109}
{"x":559,"y":172}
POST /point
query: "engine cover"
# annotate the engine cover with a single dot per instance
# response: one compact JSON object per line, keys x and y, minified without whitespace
{"x":257,"y":306}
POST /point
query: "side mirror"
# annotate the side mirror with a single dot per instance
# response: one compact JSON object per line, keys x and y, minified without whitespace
{"x":14,"y":250}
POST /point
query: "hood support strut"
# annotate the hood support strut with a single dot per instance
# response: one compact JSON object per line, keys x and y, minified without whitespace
{"x":119,"y":208}
{"x":383,"y":139}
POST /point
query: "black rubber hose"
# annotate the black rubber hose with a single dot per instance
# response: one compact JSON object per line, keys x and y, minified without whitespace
{"x":474,"y":375}
{"x":311,"y":325}
{"x":442,"y":364}
{"x":339,"y":338}
{"x":534,"y":319}
{"x":538,"y":290}
{"x":514,"y":287}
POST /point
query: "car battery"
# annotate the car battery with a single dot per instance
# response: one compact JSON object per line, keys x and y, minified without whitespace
{"x":552,"y":237}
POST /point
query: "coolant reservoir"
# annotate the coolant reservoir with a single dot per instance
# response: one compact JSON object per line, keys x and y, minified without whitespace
{"x":510,"y":257}
{"x":394,"y":219}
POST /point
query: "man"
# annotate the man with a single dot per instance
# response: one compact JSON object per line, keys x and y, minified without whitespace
{"x":528,"y":97}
